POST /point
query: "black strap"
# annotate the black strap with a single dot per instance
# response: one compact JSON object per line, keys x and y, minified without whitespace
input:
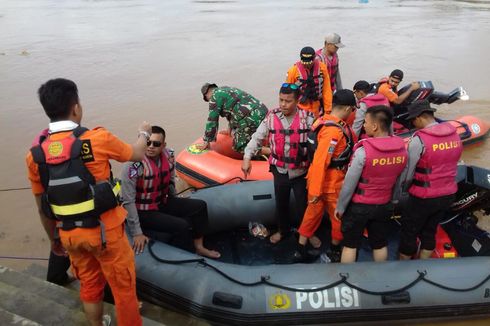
{"x":363,"y":180}
{"x":423,"y":170}
{"x":359,"y":191}
{"x":419,"y":183}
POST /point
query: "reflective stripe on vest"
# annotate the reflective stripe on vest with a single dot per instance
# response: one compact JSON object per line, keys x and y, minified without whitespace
{"x":152,"y":186}
{"x":73,"y":209}
{"x":386,"y":158}
{"x":435,"y":173}
{"x":317,"y":76}
{"x":296,"y":137}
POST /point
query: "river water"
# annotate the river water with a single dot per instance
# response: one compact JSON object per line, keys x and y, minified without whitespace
{"x":137,"y":60}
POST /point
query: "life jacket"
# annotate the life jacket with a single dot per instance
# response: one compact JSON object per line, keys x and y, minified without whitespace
{"x":340,"y":161}
{"x":386,"y":158}
{"x":71,"y":193}
{"x":375,"y":99}
{"x":435,"y":173}
{"x":310,"y":83}
{"x":153,"y":187}
{"x":298,"y":135}
{"x":382,"y":81}
{"x":332,"y":66}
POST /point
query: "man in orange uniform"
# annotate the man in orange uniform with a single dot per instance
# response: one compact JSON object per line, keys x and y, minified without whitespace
{"x":311,"y":75}
{"x":90,"y":226}
{"x":388,"y":88}
{"x":327,"y":171}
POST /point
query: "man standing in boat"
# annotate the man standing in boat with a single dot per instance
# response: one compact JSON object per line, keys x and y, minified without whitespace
{"x":148,"y":189}
{"x":328,"y":55}
{"x":334,"y":141}
{"x":311,"y":75}
{"x":286,"y":129}
{"x":365,"y":99}
{"x":243,"y":112}
{"x":388,"y":88}
{"x":365,"y":199}
{"x":81,"y":215}
{"x":430,"y":176}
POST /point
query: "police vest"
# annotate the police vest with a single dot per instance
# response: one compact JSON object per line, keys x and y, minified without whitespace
{"x":435,"y":173}
{"x":153,"y":186}
{"x":386,"y":158}
{"x":310,"y":83}
{"x":71,"y":193}
{"x":340,"y":161}
{"x":278,"y":138}
{"x":332,"y":66}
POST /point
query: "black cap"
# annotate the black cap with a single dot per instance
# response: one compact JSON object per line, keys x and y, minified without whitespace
{"x":205,"y":88}
{"x":362,"y":85}
{"x":397,"y":73}
{"x":417,"y":108}
{"x":307,"y":54}
{"x":344,"y":97}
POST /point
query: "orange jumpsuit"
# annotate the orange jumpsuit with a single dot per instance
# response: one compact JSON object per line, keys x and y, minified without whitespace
{"x":91,"y":264}
{"x":324,"y":182}
{"x":293,"y":76}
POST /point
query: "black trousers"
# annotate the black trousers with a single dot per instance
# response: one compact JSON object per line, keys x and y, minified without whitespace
{"x":183,"y":218}
{"x":420,"y":219}
{"x":282,"y":191}
{"x":57,"y":267}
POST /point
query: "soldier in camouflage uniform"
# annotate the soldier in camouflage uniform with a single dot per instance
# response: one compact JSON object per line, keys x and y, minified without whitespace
{"x":243,"y":112}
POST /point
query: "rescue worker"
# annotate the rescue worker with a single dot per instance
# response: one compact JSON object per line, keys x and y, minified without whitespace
{"x":148,"y":194}
{"x":388,"y":88}
{"x":365,"y":200}
{"x":430,"y":176}
{"x":64,"y":170}
{"x":327,"y":171}
{"x":366,"y":99}
{"x":286,"y":129}
{"x":311,"y":75}
{"x":328,"y":55}
{"x":243,"y":112}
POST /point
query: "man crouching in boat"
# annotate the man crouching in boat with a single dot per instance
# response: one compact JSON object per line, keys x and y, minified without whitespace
{"x":286,"y":128}
{"x":433,"y":154}
{"x":365,"y":199}
{"x":148,"y":195}
{"x":243,"y":112}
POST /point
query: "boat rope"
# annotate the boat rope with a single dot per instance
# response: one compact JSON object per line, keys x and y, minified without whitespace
{"x":15,"y":189}
{"x":23,"y":258}
{"x":265,"y":279}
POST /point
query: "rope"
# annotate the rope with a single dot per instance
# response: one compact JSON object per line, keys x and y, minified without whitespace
{"x":265,"y":279}
{"x":23,"y":258}
{"x":15,"y":189}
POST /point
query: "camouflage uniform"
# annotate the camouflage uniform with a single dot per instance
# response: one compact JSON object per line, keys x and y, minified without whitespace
{"x":243,"y":112}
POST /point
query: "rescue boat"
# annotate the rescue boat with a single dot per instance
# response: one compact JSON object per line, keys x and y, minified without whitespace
{"x":252,"y":283}
{"x":220,"y":164}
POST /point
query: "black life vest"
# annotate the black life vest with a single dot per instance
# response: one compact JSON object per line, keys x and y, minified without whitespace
{"x":71,"y":194}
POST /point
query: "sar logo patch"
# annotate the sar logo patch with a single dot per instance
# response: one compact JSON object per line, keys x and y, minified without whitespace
{"x":194,"y":150}
{"x":87,"y":154}
{"x":55,"y":148}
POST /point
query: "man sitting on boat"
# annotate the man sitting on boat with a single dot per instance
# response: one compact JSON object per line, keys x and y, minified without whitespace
{"x":433,"y":154}
{"x":311,"y":75}
{"x":365,"y":199}
{"x":286,"y":129}
{"x":148,"y":196}
{"x":365,"y":99}
{"x":334,"y":141}
{"x":243,"y":112}
{"x":388,"y":87}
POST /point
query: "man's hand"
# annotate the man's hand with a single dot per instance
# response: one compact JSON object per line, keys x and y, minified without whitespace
{"x":145,"y":126}
{"x":265,"y":151}
{"x":246,"y":167}
{"x":338,"y":215}
{"x":415,"y":85}
{"x":313,"y":199}
{"x":226,"y":132}
{"x":202,"y":146}
{"x":139,"y":242}
{"x":57,"y":248}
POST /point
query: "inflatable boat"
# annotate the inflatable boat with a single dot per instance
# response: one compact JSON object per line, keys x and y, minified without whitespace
{"x":220,"y":164}
{"x":252,"y":283}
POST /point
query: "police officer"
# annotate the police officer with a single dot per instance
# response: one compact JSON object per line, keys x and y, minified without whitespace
{"x":72,"y":166}
{"x":148,"y":193}
{"x":328,"y":55}
{"x":430,"y":176}
{"x":327,"y":171}
{"x":286,"y":129}
{"x":365,"y":199}
{"x":312,"y":76}
{"x":243,"y":112}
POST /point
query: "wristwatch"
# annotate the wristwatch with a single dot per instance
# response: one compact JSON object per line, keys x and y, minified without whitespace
{"x":144,"y":133}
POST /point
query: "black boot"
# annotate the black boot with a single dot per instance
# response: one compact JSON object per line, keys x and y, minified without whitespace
{"x":303,"y":255}
{"x":334,"y":253}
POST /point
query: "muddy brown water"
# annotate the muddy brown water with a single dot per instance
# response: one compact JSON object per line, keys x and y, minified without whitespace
{"x":146,"y":60}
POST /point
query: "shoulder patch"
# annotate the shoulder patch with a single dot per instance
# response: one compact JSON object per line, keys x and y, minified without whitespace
{"x":87,"y":154}
{"x":133,"y":170}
